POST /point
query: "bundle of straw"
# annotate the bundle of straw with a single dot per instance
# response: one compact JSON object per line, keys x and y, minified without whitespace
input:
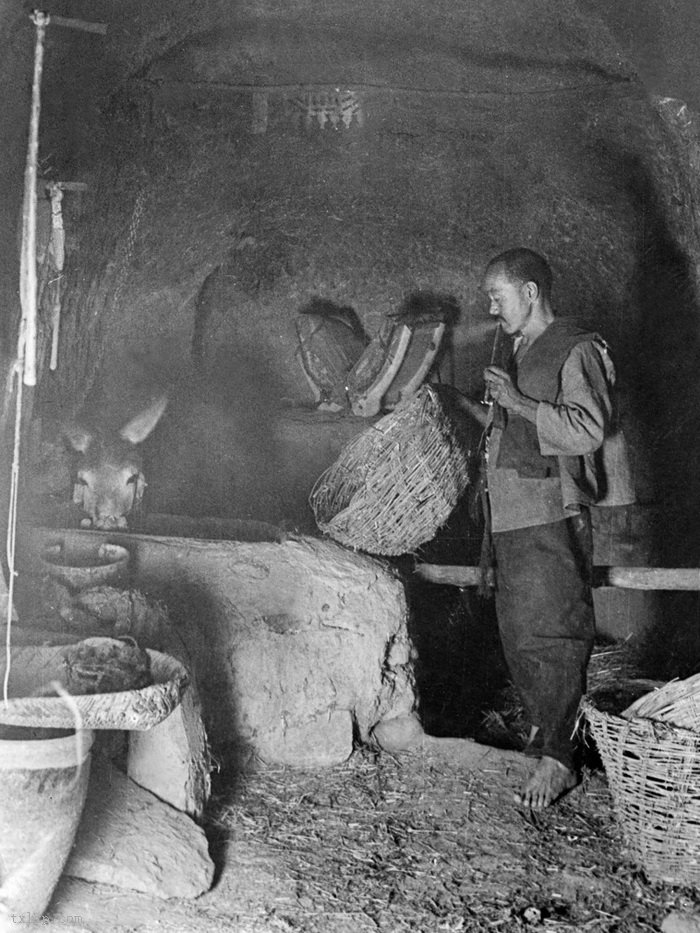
{"x":677,"y":702}
{"x":396,"y":483}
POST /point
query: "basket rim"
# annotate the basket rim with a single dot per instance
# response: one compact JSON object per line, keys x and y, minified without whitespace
{"x":650,"y":726}
{"x":121,"y":709}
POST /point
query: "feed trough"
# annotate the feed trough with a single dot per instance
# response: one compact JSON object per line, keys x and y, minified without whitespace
{"x":92,"y":563}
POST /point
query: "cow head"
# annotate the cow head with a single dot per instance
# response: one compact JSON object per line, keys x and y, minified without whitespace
{"x":109,"y":482}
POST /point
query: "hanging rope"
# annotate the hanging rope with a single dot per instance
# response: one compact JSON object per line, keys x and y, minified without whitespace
{"x":12,"y":534}
{"x":136,"y":215}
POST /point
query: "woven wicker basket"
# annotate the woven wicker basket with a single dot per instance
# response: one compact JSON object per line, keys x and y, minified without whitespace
{"x":653,"y":770}
{"x":397,"y":482}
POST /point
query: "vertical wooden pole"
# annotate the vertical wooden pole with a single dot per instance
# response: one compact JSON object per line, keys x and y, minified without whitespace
{"x":28,"y":282}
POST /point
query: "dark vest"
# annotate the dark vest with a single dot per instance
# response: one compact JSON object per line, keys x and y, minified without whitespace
{"x":538,"y":376}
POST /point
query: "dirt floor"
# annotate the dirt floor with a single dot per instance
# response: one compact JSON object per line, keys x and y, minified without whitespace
{"x":430,"y":840}
{"x":426,"y":840}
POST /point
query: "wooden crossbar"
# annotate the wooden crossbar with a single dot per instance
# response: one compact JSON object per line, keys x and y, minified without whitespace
{"x":71,"y":23}
{"x":629,"y":578}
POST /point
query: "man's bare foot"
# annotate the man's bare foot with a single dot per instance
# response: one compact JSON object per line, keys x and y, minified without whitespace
{"x":547,"y":783}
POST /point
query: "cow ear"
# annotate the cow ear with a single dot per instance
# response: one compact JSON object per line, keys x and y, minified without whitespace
{"x":79,"y":438}
{"x":138,"y":429}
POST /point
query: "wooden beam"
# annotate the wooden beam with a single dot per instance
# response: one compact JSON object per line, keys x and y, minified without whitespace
{"x":648,"y":578}
{"x":453,"y":575}
{"x":629,"y":578}
{"x":84,"y":25}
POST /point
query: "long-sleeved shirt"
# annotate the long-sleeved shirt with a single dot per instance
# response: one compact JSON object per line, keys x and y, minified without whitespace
{"x":580,"y":429}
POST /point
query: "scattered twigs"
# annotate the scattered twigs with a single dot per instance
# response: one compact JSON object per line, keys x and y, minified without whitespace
{"x":401,"y":843}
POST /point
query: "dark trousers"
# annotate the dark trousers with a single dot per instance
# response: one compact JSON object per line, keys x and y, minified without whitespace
{"x":545,"y":620}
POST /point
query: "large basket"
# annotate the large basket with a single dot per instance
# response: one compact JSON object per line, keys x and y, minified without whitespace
{"x":138,"y":710}
{"x":397,"y":482}
{"x":653,"y":770}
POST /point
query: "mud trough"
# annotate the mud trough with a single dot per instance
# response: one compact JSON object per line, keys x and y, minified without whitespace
{"x":298,"y":646}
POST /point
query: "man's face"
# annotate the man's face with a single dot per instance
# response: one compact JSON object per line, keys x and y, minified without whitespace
{"x":509,"y":302}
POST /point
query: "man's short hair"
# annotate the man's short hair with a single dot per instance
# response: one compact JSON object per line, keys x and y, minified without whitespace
{"x":525,"y":265}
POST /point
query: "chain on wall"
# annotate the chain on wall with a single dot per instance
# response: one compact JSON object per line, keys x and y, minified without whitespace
{"x":117,"y":281}
{"x":126,"y":254}
{"x":95,"y":285}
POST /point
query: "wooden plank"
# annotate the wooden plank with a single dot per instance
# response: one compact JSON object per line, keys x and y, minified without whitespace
{"x":71,"y":23}
{"x":630,"y":578}
{"x":453,"y":575}
{"x":648,"y":578}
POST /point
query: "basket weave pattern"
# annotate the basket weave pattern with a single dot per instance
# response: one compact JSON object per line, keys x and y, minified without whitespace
{"x":653,"y":770}
{"x":396,"y":483}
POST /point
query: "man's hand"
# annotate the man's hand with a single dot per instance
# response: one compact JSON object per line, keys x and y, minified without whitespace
{"x":477,"y":410}
{"x":502,"y":390}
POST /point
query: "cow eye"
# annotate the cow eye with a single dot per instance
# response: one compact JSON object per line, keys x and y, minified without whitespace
{"x":81,"y":481}
{"x":133,"y":479}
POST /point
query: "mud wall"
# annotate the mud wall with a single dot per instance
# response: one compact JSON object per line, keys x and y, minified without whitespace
{"x":660,"y":38}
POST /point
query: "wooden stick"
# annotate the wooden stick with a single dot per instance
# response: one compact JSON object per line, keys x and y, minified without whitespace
{"x":82,"y":24}
{"x":486,"y":398}
{"x":452,"y":575}
{"x":28,"y":282}
{"x":629,"y":578}
{"x":648,"y":578}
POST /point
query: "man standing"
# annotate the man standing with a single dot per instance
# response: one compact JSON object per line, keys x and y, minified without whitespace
{"x":553,"y":450}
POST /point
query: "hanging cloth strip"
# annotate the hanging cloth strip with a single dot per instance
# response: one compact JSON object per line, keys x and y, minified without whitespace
{"x":57,"y":250}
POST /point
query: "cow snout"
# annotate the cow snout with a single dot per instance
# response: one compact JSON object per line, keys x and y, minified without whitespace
{"x":110,"y":522}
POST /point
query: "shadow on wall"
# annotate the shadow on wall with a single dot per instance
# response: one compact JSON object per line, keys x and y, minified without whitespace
{"x":665,"y":344}
{"x":214,"y":452}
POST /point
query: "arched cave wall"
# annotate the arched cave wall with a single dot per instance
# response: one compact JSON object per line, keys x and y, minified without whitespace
{"x":484,"y":125}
